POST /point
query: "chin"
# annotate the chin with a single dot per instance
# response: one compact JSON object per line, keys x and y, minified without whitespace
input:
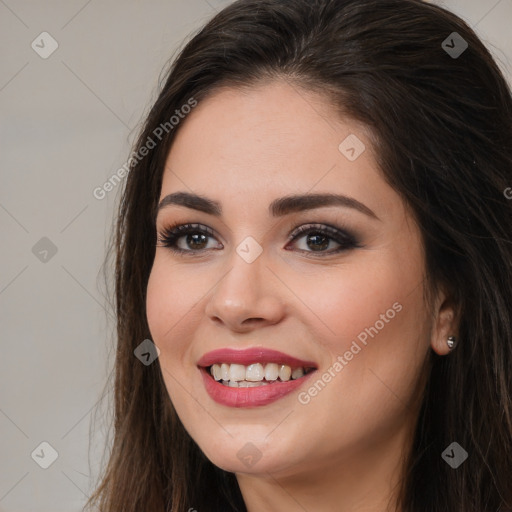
{"x":250,"y":453}
{"x":248,"y":463}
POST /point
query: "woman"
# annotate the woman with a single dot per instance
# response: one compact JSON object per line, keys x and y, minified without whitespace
{"x":315,"y":235}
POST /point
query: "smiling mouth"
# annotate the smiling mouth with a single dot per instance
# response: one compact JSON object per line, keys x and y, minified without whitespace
{"x":256,"y":374}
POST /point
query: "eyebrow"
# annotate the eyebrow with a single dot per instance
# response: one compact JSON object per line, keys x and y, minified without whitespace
{"x":277,"y":208}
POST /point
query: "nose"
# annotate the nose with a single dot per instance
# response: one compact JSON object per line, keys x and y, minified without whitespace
{"x":247,"y":296}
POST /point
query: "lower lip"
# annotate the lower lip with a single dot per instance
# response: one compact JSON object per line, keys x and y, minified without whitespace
{"x":249,"y":397}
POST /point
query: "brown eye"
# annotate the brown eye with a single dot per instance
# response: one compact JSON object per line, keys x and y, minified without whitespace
{"x":319,"y":237}
{"x":195,"y":238}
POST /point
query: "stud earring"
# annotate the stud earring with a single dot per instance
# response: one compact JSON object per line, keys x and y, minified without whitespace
{"x":451,"y":342}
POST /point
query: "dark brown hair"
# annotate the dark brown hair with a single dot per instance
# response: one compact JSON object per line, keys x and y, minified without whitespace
{"x":442,"y":126}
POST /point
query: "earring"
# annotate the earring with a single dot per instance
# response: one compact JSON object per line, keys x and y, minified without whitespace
{"x":451,"y":342}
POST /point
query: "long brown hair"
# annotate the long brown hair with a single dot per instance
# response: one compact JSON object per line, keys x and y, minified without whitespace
{"x":442,"y":125}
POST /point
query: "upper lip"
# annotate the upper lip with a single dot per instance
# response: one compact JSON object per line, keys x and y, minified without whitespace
{"x":251,"y":355}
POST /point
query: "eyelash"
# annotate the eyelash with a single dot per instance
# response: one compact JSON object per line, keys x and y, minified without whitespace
{"x":171,"y":234}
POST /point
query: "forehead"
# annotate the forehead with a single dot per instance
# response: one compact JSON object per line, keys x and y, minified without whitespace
{"x":272,"y":139}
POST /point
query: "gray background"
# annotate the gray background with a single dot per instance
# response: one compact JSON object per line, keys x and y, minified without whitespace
{"x":67,"y":124}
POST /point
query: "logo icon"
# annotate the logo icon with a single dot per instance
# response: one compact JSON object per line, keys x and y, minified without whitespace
{"x":454,"y":455}
{"x":249,"y":454}
{"x":146,"y":352}
{"x":249,"y":249}
{"x":44,"y":455}
{"x":44,"y":250}
{"x":454,"y":45}
{"x":44,"y":45}
{"x":352,"y":147}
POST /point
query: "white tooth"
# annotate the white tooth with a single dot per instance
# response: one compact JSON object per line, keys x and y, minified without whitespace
{"x":271,"y":371}
{"x":285,"y":372}
{"x":254,"y":372}
{"x":297,"y":373}
{"x":216,"y":372}
{"x":236,"y":372}
{"x":232,"y":384}
{"x":224,"y":370}
{"x":243,"y":384}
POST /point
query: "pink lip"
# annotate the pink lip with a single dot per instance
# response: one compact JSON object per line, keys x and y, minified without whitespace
{"x":251,"y":355}
{"x":250,"y":397}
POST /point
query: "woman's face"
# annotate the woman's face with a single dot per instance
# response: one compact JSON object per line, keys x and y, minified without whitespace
{"x":348,"y":303}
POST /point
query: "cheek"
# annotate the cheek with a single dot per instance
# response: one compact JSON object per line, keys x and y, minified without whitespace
{"x":170,"y":300}
{"x":373,"y":315}
{"x":377,"y":326}
{"x":354,"y":301}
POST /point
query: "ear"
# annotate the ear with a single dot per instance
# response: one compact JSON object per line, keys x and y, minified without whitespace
{"x":445,"y":324}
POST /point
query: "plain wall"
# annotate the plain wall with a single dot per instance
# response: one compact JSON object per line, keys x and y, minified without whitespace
{"x":67,"y":123}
